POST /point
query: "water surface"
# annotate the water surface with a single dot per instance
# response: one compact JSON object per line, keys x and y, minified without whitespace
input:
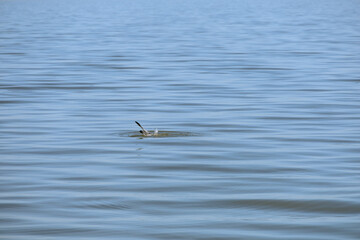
{"x":260,"y":99}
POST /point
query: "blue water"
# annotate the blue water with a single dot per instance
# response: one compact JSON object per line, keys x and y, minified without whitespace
{"x":261,"y":100}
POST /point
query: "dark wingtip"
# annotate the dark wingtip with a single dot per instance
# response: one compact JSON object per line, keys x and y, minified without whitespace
{"x":138,"y":123}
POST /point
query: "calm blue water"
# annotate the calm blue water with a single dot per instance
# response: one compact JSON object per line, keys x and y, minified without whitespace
{"x":262,"y":98}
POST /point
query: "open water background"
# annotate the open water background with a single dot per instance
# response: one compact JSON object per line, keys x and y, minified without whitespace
{"x":268,"y":93}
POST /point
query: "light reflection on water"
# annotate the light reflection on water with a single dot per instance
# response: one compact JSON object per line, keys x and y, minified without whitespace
{"x":257,"y":104}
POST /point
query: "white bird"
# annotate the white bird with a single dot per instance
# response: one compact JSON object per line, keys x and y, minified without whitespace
{"x":146,"y":133}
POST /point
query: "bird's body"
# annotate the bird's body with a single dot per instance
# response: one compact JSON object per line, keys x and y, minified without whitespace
{"x":146,"y":133}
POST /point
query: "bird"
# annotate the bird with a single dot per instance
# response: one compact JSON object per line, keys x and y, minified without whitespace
{"x":146,"y":133}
